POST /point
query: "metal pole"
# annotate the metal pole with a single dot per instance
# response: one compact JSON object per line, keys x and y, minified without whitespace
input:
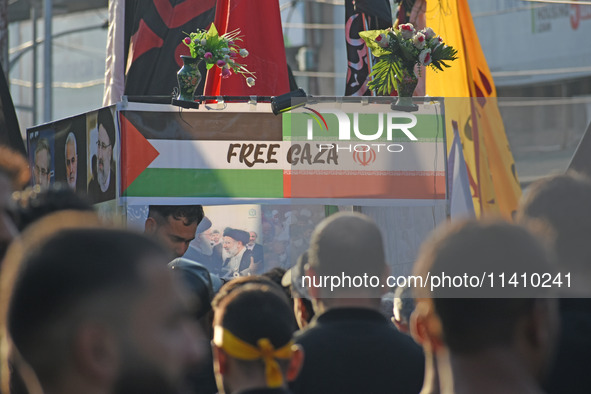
{"x":34,"y":17}
{"x":47,"y":63}
{"x":4,"y":36}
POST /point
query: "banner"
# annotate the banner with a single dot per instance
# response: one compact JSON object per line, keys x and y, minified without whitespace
{"x":491,"y":167}
{"x":354,"y":155}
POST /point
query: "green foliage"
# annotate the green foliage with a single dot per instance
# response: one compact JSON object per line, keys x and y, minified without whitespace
{"x":398,"y":50}
{"x":221,"y":51}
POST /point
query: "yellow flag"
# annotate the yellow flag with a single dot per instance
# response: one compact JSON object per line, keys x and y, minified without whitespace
{"x":471,"y":108}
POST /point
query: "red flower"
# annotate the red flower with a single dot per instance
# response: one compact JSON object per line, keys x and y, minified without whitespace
{"x":187,"y":40}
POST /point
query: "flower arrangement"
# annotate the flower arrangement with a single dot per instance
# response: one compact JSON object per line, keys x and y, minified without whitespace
{"x":399,"y":49}
{"x":220,"y":51}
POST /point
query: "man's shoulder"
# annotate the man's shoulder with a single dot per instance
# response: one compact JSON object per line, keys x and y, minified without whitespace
{"x":368,"y":329}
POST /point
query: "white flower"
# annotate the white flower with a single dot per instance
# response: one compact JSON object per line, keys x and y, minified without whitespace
{"x":419,"y":40}
{"x":425,"y":57}
{"x":225,"y":50}
{"x":429,"y":33}
{"x":250,"y":82}
{"x":226,"y":58}
{"x":438,"y":41}
{"x":203,"y":42}
{"x":243,"y":52}
{"x":383,"y":40}
{"x":407,"y":30}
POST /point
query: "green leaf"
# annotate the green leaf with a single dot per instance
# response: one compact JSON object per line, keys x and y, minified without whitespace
{"x":369,"y":37}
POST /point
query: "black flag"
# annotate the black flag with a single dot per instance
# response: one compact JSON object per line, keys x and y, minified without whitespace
{"x":361,"y":15}
{"x":154,"y":31}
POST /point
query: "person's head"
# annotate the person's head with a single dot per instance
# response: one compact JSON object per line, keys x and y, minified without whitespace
{"x":253,"y":238}
{"x":71,"y":155}
{"x":252,"y":343}
{"x":105,"y":144}
{"x":234,"y":241}
{"x":215,"y":236}
{"x":349,"y":244}
{"x":561,"y":204}
{"x":303,"y":309}
{"x":196,"y":278}
{"x":174,"y":225}
{"x":42,"y":165}
{"x":14,"y":175}
{"x":234,"y":284}
{"x":97,"y":309}
{"x":33,"y":204}
{"x":472,"y":320}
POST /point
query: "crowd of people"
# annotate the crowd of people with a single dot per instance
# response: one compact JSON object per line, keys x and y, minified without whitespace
{"x":87,"y":307}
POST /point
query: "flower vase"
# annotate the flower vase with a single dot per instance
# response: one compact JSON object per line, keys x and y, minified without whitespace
{"x":188,"y":78}
{"x":406,"y":85}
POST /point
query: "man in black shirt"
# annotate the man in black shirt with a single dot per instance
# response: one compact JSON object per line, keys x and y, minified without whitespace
{"x":350,"y":347}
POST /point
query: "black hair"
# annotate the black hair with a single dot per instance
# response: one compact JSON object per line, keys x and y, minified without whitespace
{"x":60,"y":279}
{"x":234,"y":284}
{"x":188,"y":213}
{"x":33,"y":205}
{"x":257,"y":311}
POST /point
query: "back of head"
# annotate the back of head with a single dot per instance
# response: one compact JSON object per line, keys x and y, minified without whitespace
{"x":70,"y":276}
{"x":347,"y":242}
{"x":254,"y":326}
{"x":236,"y":283}
{"x":562,"y":203}
{"x":196,"y":278}
{"x":33,"y":203}
{"x":477,"y":316}
{"x":189,"y":214}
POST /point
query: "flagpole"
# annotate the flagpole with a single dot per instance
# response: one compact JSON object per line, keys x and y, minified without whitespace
{"x":47,"y":62}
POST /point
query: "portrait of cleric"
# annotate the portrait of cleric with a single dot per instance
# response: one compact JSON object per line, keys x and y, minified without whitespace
{"x":101,"y":150}
{"x":70,"y":154}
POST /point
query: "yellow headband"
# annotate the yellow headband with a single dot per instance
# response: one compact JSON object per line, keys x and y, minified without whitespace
{"x":237,"y":348}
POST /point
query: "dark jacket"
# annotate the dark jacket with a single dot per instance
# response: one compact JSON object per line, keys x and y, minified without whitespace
{"x":357,"y":351}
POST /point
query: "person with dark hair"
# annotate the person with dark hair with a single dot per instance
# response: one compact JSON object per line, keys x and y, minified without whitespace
{"x":96,"y":311}
{"x":33,"y":204}
{"x":562,"y":204}
{"x":14,"y":175}
{"x":102,"y":188}
{"x":42,"y":163}
{"x":202,"y":287}
{"x":303,"y":309}
{"x":252,"y":342}
{"x":350,"y":346}
{"x":174,"y":225}
{"x":237,"y":259}
{"x":234,"y":284}
{"x":486,"y":339}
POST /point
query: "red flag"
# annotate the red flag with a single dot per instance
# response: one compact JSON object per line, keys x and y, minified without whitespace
{"x":259,"y":22}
